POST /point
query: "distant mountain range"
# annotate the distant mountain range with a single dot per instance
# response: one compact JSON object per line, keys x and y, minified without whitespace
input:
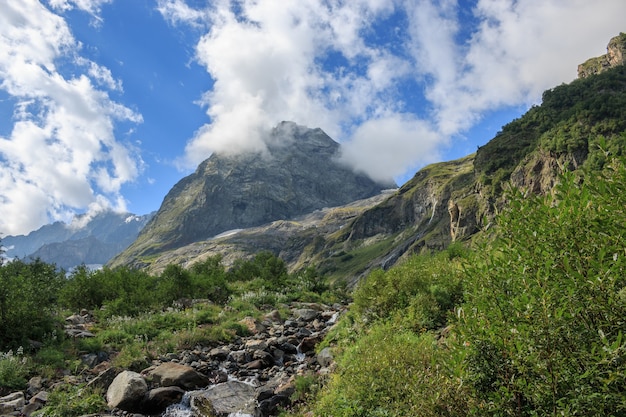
{"x":87,"y":240}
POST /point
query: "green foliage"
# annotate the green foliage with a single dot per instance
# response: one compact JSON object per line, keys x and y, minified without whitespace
{"x":419,"y":293}
{"x":265,"y":266}
{"x":28,"y":295}
{"x":13,"y":371}
{"x":392,"y":373}
{"x":73,"y":401}
{"x":571,"y":118}
{"x":544,"y":315}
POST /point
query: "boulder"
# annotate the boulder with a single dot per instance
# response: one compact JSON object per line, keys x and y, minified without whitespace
{"x":126,"y":391}
{"x":253,"y":325}
{"x":223,"y":399}
{"x":104,"y":379}
{"x":325,"y":357}
{"x":158,"y":399}
{"x":306,"y":314}
{"x":174,"y":374}
{"x":12,"y":402}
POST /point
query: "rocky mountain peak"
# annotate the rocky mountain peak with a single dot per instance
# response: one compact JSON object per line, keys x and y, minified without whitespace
{"x":615,"y":56}
{"x":298,"y":173}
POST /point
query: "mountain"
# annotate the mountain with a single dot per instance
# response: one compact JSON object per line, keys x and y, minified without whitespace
{"x":578,"y":126}
{"x":300,"y":172}
{"x":88,"y":240}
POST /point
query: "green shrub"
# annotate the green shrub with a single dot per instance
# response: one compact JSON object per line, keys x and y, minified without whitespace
{"x":544,"y":318}
{"x":420,"y":293}
{"x":28,"y":297}
{"x":13,"y":370}
{"x":394,"y":373}
{"x":73,"y":401}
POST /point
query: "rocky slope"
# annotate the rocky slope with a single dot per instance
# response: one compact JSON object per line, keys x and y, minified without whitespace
{"x":298,"y":174}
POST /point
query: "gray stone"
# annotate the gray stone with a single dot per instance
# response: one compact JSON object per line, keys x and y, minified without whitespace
{"x":12,"y":402}
{"x":158,"y":399}
{"x":223,"y":399}
{"x":174,"y":374}
{"x":325,"y":357}
{"x":126,"y":391}
{"x":104,"y":379}
{"x":306,"y":314}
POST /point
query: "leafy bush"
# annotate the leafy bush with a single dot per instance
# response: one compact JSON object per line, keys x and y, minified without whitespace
{"x":420,"y":293}
{"x":545,"y":312}
{"x":392,"y":373}
{"x":73,"y":401}
{"x":28,"y":296}
{"x":13,"y":370}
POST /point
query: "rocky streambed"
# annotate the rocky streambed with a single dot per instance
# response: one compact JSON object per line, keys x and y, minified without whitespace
{"x":252,"y":376}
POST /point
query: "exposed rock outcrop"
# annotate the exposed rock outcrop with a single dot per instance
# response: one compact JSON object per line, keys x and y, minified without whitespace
{"x":615,"y":55}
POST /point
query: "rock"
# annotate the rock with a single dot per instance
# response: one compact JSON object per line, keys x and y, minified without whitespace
{"x":75,"y":319}
{"x":253,"y":325}
{"x":12,"y":402}
{"x":41,"y":397}
{"x":219,"y":354}
{"x":273,"y":316}
{"x":126,"y":391}
{"x":174,"y":374}
{"x":104,"y":379}
{"x":223,"y":399}
{"x":325,"y":357}
{"x":158,"y":399}
{"x":309,"y":343}
{"x":270,"y":406}
{"x":34,"y":385}
{"x":90,"y":360}
{"x":306,"y":314}
{"x":30,"y":408}
{"x":255,"y":344}
{"x":257,"y":364}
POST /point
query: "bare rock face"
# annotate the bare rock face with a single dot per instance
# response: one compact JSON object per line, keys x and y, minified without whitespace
{"x":299,"y":173}
{"x":615,"y":56}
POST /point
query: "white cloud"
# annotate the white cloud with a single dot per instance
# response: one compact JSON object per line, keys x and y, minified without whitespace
{"x":269,"y":62}
{"x":386,"y":147}
{"x":61,"y":154}
{"x":517,"y":50}
{"x":93,"y":7}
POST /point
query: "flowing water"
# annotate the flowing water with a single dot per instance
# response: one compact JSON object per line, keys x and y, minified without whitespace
{"x":182,"y":409}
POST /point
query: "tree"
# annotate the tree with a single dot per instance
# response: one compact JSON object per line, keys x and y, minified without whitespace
{"x":28,"y":297}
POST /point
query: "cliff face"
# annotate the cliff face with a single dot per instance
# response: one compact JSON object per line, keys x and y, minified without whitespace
{"x":298,"y":174}
{"x":615,"y":56}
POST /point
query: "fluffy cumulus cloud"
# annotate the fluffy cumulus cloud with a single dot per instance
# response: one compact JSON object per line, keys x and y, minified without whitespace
{"x":334,"y":65}
{"x":61,"y":153}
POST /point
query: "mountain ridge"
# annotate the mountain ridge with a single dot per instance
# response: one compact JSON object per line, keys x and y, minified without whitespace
{"x":298,"y":173}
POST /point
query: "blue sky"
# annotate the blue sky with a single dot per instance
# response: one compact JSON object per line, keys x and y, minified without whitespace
{"x":106,"y":104}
